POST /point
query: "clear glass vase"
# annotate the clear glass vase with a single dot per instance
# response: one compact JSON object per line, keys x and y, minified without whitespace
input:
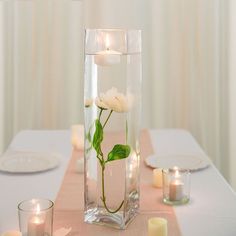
{"x":112,"y":97}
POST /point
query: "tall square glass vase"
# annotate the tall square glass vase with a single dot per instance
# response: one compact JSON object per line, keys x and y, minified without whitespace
{"x":112,"y":97}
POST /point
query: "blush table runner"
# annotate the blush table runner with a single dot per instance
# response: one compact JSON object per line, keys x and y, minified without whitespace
{"x":69,"y":204}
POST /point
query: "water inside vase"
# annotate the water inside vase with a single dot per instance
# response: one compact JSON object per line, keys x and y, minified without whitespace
{"x":115,"y":79}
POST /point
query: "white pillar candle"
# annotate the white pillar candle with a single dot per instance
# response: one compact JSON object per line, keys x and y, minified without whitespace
{"x":157,"y":227}
{"x":36,"y":224}
{"x":157,"y":178}
{"x":77,"y":136}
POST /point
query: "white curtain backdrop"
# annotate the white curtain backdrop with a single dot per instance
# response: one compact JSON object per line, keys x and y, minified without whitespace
{"x":43,"y":79}
{"x":185,"y":73}
{"x":232,"y":91}
{"x":1,"y":81}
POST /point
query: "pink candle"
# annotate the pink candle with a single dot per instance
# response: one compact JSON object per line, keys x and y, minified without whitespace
{"x":176,"y":190}
{"x":176,"y":187}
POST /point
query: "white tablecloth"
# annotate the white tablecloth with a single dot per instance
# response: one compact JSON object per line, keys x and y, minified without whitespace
{"x":211,"y":211}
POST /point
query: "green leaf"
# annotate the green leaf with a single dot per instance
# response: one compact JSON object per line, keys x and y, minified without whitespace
{"x":98,"y":136}
{"x":118,"y":152}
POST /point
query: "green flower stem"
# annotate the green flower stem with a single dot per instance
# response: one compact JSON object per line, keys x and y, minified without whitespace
{"x":100,"y":114}
{"x":100,"y":160}
{"x":103,"y":163}
{"x":107,"y":119}
{"x":103,"y":198}
{"x":101,"y":154}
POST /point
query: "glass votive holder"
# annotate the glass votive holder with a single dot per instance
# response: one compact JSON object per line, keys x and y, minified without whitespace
{"x":176,"y":186}
{"x":36,"y":217}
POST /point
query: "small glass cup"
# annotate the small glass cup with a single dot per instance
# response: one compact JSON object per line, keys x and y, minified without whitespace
{"x":176,"y":186}
{"x":36,"y":217}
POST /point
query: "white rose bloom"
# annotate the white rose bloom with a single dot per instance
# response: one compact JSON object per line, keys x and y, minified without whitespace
{"x":100,"y":103}
{"x":116,"y":101}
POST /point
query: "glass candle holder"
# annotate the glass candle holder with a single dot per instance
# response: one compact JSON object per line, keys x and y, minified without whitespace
{"x":112,"y":99}
{"x":36,"y":217}
{"x":176,"y":186}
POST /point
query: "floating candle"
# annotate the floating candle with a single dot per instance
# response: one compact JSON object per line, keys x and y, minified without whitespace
{"x":107,"y":57}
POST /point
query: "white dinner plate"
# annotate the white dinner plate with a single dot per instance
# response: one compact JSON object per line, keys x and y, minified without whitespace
{"x":192,"y":162}
{"x":28,"y":162}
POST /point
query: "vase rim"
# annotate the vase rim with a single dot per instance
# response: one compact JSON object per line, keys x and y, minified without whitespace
{"x":113,"y":29}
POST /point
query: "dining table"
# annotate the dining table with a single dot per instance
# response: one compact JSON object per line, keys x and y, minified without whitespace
{"x":211,"y":210}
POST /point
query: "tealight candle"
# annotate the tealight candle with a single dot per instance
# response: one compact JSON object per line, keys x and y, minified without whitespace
{"x":36,"y":224}
{"x":157,"y":226}
{"x":36,"y":217}
{"x":176,"y":186}
{"x":157,"y":178}
{"x":176,"y":190}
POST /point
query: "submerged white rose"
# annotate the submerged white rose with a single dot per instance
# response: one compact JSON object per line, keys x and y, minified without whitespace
{"x":115,"y":101}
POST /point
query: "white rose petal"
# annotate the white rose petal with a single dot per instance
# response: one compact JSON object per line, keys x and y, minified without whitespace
{"x":88,"y":102}
{"x":100,"y":103}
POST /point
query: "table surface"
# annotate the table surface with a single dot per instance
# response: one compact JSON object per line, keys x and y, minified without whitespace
{"x":211,"y":210}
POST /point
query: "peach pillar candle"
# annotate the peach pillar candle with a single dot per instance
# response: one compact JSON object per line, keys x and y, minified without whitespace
{"x":157,"y":178}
